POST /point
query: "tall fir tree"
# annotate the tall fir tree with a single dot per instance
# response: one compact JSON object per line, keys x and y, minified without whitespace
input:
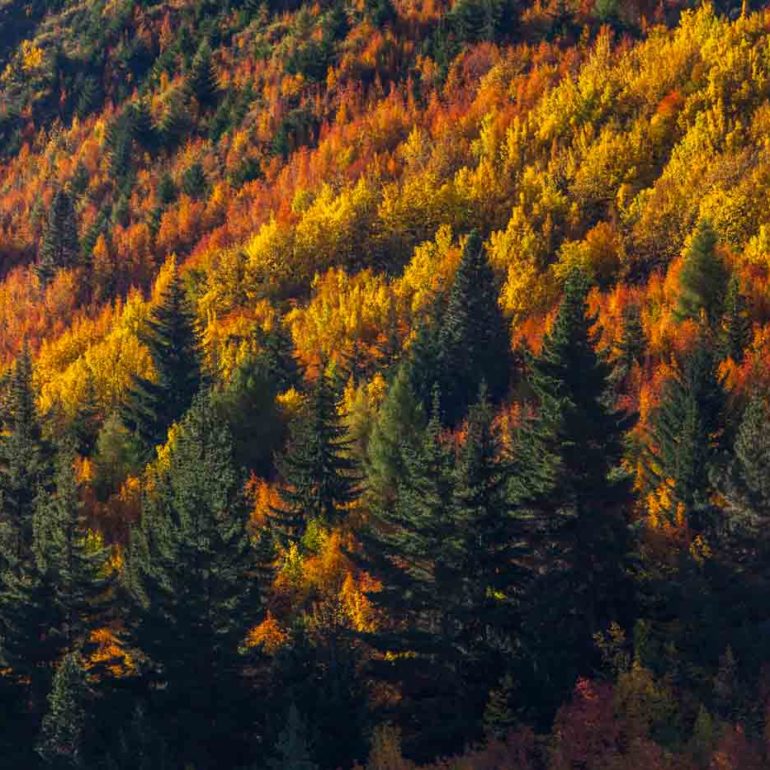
{"x":202,"y":78}
{"x":25,"y":463}
{"x":687,"y":436}
{"x":474,"y":340}
{"x":736,"y":326}
{"x":569,"y":480}
{"x":292,"y":751}
{"x":73,"y":555}
{"x":172,"y":338}
{"x":60,"y":246}
{"x":191,"y":568}
{"x":61,"y":738}
{"x":703,"y":278}
{"x":320,"y":478}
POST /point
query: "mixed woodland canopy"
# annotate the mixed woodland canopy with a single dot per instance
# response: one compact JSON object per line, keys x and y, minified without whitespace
{"x":384,"y":384}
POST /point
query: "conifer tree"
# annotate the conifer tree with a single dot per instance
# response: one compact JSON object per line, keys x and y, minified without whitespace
{"x":25,"y":467}
{"x":319,"y":477}
{"x":474,"y":342}
{"x":292,"y":750}
{"x":400,"y":422}
{"x":61,"y":737}
{"x":703,"y":278}
{"x":202,"y":78}
{"x":72,"y":555}
{"x":737,"y":323}
{"x":631,"y":345}
{"x":687,"y":435}
{"x":569,"y":480}
{"x":191,"y":568}
{"x":172,"y":339}
{"x":60,"y":247}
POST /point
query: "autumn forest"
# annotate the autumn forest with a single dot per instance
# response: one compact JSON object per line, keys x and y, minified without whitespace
{"x":384,"y":385}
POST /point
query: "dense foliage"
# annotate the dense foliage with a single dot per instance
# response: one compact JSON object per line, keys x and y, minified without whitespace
{"x":384,"y":384}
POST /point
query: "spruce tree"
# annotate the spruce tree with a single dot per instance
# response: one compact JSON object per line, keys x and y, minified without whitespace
{"x":474,"y":341}
{"x":400,"y":422}
{"x":60,"y":247}
{"x":202,"y":78}
{"x":568,"y":479}
{"x":687,"y":436}
{"x":191,"y":568}
{"x":25,"y":468}
{"x":172,"y":338}
{"x":292,"y":750}
{"x":73,"y":557}
{"x":703,"y":278}
{"x":319,"y":477}
{"x":61,"y":738}
{"x":737,"y":323}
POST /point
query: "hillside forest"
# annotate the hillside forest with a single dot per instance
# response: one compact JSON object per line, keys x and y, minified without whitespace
{"x":384,"y":384}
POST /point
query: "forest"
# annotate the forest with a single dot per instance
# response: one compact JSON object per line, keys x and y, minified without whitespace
{"x":384,"y":385}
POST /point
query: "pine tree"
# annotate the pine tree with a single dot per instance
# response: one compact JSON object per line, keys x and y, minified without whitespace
{"x":703,"y":278}
{"x":687,"y":436}
{"x":25,"y":467}
{"x":86,"y":423}
{"x":400,"y":422}
{"x":474,"y":342}
{"x":191,"y":568}
{"x":319,"y":477}
{"x":61,"y":738}
{"x":406,"y":546}
{"x":60,"y":247}
{"x":292,"y":750}
{"x":737,"y":323}
{"x":202,"y":78}
{"x":631,"y":346}
{"x":73,"y":557}
{"x":569,"y":480}
{"x":172,"y":339}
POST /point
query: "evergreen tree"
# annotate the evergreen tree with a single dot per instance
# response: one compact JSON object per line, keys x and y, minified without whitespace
{"x":400,"y":422}
{"x":61,"y":738}
{"x":72,"y":556}
{"x":292,"y":749}
{"x":319,"y":477}
{"x":474,"y":341}
{"x":86,"y":423}
{"x":687,"y":436}
{"x":632,"y":343}
{"x":703,"y":278}
{"x":422,"y":361}
{"x":172,"y":338}
{"x":569,"y":480}
{"x":60,"y":246}
{"x":202,"y":78}
{"x":25,"y":467}
{"x":737,"y":323}
{"x":192,"y":570}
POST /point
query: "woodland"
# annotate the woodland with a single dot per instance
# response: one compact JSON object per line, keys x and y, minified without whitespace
{"x":384,"y":385}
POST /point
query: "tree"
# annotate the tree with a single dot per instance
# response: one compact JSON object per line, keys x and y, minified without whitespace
{"x":703,"y":278}
{"x":473,"y":342}
{"x":60,"y":246}
{"x":202,"y":78}
{"x":292,"y":749}
{"x":319,"y":477}
{"x":25,"y":467}
{"x":191,"y":569}
{"x":737,"y":323}
{"x":569,"y":481}
{"x":73,"y":556}
{"x":687,"y":436}
{"x":173,"y":342}
{"x":399,"y":423}
{"x":61,"y":737}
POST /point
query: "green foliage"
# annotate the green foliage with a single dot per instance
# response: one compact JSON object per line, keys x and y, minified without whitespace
{"x":191,"y":569}
{"x":703,"y":278}
{"x":172,"y":338}
{"x":62,"y":730}
{"x":292,"y":749}
{"x":737,"y":322}
{"x":319,"y":477}
{"x":473,"y":342}
{"x":60,"y":247}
